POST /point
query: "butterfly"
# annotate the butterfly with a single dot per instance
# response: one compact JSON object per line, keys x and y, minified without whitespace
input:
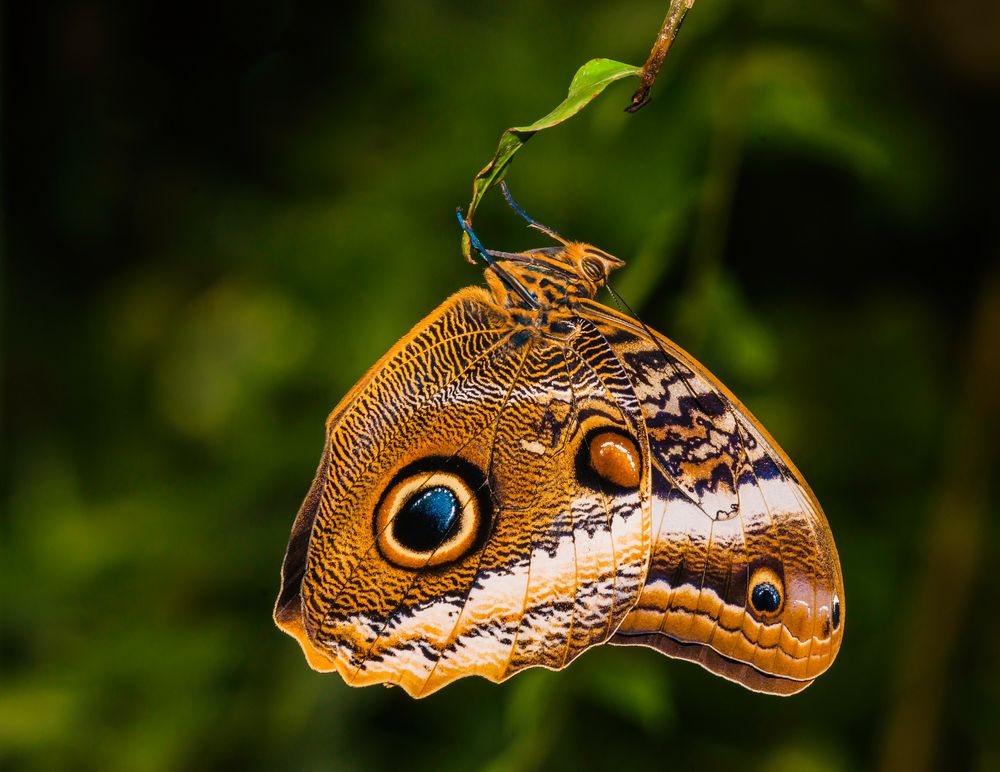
{"x":529,"y":473}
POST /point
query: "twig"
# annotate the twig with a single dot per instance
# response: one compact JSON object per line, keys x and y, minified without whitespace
{"x":671,"y":25}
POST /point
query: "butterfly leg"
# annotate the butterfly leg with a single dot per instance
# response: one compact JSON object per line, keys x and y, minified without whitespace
{"x":478,"y":247}
{"x":531,"y":221}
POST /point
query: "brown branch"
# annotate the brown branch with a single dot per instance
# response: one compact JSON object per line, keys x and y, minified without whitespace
{"x":671,"y":26}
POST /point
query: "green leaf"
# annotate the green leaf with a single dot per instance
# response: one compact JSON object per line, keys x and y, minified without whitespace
{"x":589,"y":81}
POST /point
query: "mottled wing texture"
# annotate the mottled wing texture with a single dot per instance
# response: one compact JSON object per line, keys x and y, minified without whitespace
{"x":728,"y":511}
{"x":561,"y":560}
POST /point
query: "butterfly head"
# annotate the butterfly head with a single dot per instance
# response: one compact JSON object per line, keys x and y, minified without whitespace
{"x":581,"y":263}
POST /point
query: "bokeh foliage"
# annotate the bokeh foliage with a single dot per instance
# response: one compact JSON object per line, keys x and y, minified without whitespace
{"x":217,"y":216}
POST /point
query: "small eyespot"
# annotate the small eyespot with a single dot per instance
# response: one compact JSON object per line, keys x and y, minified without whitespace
{"x":766,"y":598}
{"x":615,"y":458}
{"x":427,"y":518}
{"x":593,"y":269}
{"x":835,"y":612}
{"x":766,"y":592}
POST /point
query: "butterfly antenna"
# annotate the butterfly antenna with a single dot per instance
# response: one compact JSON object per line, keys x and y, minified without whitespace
{"x":531,"y":221}
{"x":622,"y":305}
{"x":507,"y":279}
{"x":620,"y":301}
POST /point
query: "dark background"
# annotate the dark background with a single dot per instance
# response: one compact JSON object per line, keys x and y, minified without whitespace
{"x":216,"y":216}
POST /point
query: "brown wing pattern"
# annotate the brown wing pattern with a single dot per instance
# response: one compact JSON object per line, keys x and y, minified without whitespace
{"x":744,"y":576}
{"x":543,"y":561}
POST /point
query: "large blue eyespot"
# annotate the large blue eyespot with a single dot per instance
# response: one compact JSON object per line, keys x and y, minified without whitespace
{"x":766,"y":598}
{"x":424,"y":522}
{"x":432,"y":512}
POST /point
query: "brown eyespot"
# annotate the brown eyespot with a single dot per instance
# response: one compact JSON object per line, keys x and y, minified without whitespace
{"x":766,"y":592}
{"x":614,"y":458}
{"x":427,"y":518}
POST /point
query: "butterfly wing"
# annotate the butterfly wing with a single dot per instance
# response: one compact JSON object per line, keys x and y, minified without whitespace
{"x":456,"y":525}
{"x":744,"y":576}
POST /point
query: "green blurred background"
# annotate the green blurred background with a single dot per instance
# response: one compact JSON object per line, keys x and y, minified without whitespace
{"x":218,"y":215}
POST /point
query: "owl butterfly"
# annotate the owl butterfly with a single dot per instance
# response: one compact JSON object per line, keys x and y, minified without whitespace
{"x":528,"y":473}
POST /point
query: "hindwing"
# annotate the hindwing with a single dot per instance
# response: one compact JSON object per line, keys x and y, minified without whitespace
{"x":744,"y":576}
